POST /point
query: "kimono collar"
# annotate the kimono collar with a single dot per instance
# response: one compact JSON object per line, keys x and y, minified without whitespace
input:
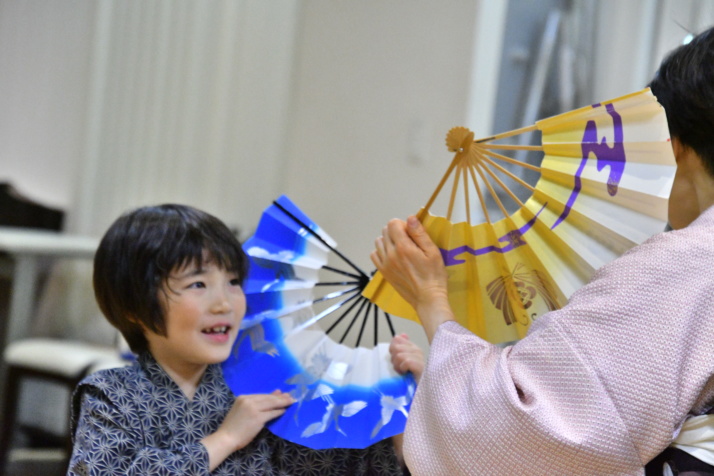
{"x":158,"y":376}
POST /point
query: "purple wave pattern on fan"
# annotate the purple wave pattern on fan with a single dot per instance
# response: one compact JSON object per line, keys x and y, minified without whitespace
{"x":614,"y":157}
{"x":513,"y":240}
{"x":606,"y":156}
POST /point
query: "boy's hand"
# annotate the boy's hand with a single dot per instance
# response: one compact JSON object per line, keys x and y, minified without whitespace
{"x":250,"y":413}
{"x":243,"y":422}
{"x":406,"y":356}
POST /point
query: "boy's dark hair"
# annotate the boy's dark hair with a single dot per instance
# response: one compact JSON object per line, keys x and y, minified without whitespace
{"x":684,"y":85}
{"x":138,"y":253}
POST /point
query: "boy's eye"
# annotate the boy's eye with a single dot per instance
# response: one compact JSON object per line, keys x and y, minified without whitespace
{"x":235,"y":282}
{"x":197,"y":284}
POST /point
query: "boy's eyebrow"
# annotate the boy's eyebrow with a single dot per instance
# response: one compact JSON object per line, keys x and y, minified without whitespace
{"x":188,"y":272}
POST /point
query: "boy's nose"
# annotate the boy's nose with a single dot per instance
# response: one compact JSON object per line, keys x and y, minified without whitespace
{"x":221,"y":304}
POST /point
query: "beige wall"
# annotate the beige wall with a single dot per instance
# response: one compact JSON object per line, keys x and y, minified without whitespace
{"x":377,"y":86}
{"x":45,"y":52}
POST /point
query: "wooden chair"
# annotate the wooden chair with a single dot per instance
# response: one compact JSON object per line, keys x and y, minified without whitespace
{"x":52,"y":360}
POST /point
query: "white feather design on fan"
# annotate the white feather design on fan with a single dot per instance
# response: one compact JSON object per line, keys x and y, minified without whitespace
{"x":332,"y":413}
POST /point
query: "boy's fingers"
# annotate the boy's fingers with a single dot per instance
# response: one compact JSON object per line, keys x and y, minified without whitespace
{"x":282,"y":400}
{"x":272,"y":414}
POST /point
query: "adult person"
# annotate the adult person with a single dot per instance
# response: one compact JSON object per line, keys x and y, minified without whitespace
{"x":603,"y":385}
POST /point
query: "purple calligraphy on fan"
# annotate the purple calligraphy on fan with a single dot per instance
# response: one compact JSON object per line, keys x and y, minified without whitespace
{"x":512,"y":240}
{"x":614,"y":157}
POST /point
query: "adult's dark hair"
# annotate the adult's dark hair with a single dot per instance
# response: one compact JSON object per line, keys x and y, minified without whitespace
{"x":137,"y":254}
{"x":684,"y":85}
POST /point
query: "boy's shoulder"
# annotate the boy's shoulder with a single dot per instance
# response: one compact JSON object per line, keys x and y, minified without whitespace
{"x":117,"y":388}
{"x":115,"y":378}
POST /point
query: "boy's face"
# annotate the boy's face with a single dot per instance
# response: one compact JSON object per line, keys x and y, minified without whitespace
{"x":203,"y":309}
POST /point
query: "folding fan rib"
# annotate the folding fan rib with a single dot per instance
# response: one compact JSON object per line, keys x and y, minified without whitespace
{"x":489,"y":145}
{"x":503,"y":186}
{"x":639,"y":105}
{"x":274,"y":304}
{"x":511,"y":175}
{"x":582,"y":244}
{"x":265,"y":264}
{"x":566,"y":266}
{"x":595,"y":208}
{"x":345,"y":313}
{"x":636,"y":152}
{"x":635,"y":216}
{"x":480,"y":170}
{"x":630,"y":194}
{"x":291,"y":236}
{"x":441,"y":184}
{"x":484,"y":208}
{"x":509,"y":160}
{"x":467,"y":203}
{"x":358,"y":313}
{"x":298,"y":220}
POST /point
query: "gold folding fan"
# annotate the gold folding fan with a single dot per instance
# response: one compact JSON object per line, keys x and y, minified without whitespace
{"x":605,"y":176}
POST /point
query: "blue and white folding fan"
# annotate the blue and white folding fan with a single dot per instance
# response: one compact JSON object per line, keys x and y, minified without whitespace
{"x":348,"y":396}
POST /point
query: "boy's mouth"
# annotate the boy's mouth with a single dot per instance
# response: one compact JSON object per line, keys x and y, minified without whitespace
{"x":216,"y":330}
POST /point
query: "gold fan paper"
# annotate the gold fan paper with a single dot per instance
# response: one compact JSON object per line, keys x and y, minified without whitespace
{"x":605,"y":177}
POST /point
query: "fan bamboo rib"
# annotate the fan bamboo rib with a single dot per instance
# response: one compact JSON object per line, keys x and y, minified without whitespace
{"x":480,"y":160}
{"x":536,"y":148}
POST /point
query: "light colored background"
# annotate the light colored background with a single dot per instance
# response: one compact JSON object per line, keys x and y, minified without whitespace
{"x":341,"y":105}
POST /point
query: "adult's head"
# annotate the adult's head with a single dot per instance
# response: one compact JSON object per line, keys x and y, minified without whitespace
{"x":138,"y":253}
{"x":684,"y":85}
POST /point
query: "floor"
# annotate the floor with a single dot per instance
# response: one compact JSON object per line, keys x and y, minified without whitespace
{"x":35,"y":462}
{"x":35,"y":453}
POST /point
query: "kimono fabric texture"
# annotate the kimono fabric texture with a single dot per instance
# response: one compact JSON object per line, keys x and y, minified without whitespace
{"x":599,"y":387}
{"x":135,"y":420}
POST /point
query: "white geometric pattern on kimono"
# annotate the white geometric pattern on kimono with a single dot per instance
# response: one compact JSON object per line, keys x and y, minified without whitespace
{"x":136,"y":421}
{"x":598,"y":387}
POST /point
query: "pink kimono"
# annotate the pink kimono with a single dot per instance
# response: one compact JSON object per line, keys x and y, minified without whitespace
{"x":599,"y":387}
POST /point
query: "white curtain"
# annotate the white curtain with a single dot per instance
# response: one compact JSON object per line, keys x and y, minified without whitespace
{"x":188,"y":103}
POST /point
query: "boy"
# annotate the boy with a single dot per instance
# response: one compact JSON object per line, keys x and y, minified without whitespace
{"x":169,"y":278}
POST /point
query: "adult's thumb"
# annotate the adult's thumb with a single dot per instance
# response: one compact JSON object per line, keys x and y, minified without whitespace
{"x":418,"y":233}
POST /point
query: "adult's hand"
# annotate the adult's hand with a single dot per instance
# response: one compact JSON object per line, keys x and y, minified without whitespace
{"x":411,"y":262}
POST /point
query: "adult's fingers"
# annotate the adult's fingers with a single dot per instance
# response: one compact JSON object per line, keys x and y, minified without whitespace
{"x":418,"y":234}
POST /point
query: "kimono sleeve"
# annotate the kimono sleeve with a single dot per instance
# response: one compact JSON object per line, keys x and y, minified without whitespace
{"x":108,"y":440}
{"x":600,"y":386}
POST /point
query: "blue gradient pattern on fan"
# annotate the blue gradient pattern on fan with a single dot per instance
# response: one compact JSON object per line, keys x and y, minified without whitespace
{"x":346,"y":397}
